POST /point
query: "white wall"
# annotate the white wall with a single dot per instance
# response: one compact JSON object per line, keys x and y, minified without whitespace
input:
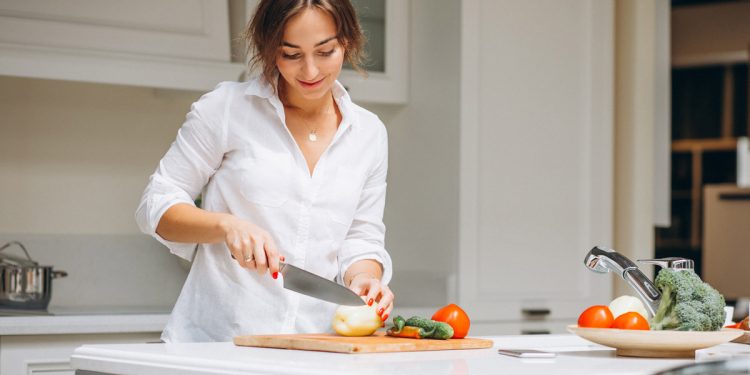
{"x":422,"y":203}
{"x":75,"y":157}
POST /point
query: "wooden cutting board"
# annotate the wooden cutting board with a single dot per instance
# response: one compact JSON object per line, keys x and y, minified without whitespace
{"x":377,"y":343}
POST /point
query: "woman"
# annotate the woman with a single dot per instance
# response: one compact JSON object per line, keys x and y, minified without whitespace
{"x":289,"y":169}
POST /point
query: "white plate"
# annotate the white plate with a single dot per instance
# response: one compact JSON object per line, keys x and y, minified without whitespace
{"x":659,"y":344}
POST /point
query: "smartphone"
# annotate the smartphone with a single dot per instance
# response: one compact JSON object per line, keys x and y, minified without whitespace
{"x":526,"y":353}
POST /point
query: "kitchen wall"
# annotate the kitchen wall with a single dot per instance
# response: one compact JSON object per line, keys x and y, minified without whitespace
{"x":75,"y":157}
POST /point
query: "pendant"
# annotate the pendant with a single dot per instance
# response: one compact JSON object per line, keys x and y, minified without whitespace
{"x":312,"y":136}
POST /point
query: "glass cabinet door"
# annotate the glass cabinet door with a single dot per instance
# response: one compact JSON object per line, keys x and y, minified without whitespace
{"x":371,"y":15}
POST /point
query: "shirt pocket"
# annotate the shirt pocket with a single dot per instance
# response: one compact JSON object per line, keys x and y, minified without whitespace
{"x":266,"y":178}
{"x":346,"y":193}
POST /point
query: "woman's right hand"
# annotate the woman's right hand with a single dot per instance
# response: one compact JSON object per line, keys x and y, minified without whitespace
{"x":251,"y":246}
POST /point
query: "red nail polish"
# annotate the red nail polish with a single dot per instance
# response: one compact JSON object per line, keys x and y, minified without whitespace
{"x":380,"y":311}
{"x":275,"y":275}
{"x":385,"y":317}
{"x":369,"y":303}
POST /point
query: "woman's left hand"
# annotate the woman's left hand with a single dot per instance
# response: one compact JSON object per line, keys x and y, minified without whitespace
{"x":374,"y":291}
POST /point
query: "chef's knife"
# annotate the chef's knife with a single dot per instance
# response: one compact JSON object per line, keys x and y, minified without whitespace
{"x":310,"y":284}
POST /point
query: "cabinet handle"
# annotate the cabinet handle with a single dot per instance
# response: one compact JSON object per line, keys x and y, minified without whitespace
{"x":536,"y":312}
{"x":535,"y":332}
{"x":734,"y":197}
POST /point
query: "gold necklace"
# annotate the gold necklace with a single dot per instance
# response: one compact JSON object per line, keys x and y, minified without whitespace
{"x":312,"y":136}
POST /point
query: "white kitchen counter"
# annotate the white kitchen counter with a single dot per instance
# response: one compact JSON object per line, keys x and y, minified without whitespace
{"x":85,"y":321}
{"x":575,"y":356}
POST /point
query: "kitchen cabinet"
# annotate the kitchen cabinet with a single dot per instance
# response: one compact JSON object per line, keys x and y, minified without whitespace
{"x":50,"y":354}
{"x":536,"y":181}
{"x":167,"y":44}
{"x":386,"y":26}
{"x":43,"y":344}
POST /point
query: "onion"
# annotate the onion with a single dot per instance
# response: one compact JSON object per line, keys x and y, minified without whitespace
{"x":623,"y":304}
{"x":356,"y":320}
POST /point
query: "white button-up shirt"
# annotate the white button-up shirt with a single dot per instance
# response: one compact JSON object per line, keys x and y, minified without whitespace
{"x":236,"y":150}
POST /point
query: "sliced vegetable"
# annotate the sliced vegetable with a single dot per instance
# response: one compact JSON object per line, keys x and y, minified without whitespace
{"x":456,"y":318}
{"x":597,"y":316}
{"x":631,"y":320}
{"x":623,"y":304}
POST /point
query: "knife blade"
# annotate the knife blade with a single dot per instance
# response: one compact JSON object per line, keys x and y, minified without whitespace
{"x":310,"y":284}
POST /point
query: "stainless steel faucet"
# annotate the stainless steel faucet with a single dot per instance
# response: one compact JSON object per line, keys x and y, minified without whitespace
{"x":601,"y":259}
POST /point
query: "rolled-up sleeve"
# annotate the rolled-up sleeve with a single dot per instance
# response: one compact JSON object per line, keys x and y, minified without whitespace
{"x":366,"y":236}
{"x":185,"y":169}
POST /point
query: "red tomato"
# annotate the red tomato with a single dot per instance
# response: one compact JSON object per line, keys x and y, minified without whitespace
{"x":597,"y":316}
{"x":456,"y":318}
{"x":631,"y":320}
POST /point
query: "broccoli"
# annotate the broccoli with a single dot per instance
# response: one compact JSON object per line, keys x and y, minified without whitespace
{"x":687,"y":303}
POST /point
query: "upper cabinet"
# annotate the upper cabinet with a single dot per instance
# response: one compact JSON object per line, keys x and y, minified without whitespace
{"x":385,"y":24}
{"x":178,"y":44}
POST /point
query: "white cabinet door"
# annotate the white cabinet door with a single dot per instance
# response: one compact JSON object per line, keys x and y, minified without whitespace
{"x":50,"y":354}
{"x":536,"y":157}
{"x":183,"y":44}
{"x":191,"y":29}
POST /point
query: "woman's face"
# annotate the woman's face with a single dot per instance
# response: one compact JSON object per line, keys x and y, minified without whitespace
{"x":311,"y":57}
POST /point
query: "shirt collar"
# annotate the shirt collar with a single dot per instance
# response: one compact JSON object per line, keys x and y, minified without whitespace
{"x":262,"y":88}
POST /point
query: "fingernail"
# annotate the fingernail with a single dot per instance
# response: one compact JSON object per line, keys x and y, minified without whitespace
{"x":385,"y":317}
{"x":380,"y":311}
{"x":275,"y":275}
{"x":369,"y":303}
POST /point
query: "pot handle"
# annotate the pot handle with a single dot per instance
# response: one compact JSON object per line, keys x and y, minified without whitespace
{"x":56,"y":274}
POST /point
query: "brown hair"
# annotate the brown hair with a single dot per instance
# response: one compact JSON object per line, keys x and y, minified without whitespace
{"x":264,"y":33}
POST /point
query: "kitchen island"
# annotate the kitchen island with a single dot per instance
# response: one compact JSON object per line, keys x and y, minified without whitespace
{"x":574,"y":356}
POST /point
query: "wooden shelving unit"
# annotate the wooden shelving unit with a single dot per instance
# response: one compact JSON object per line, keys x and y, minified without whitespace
{"x":710,"y":112}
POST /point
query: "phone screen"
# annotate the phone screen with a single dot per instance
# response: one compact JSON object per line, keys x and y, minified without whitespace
{"x":526,"y":353}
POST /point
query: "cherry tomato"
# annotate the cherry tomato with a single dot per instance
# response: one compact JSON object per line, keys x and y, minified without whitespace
{"x":597,"y":316}
{"x":456,"y":318}
{"x":631,"y":320}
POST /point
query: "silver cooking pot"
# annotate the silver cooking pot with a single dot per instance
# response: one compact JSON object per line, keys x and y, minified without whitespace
{"x":24,"y":284}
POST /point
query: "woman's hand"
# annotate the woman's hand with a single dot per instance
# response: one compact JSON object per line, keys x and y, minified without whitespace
{"x":373,"y":290}
{"x":251,"y":246}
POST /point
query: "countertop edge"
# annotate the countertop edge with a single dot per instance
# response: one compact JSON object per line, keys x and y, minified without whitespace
{"x":82,"y":324}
